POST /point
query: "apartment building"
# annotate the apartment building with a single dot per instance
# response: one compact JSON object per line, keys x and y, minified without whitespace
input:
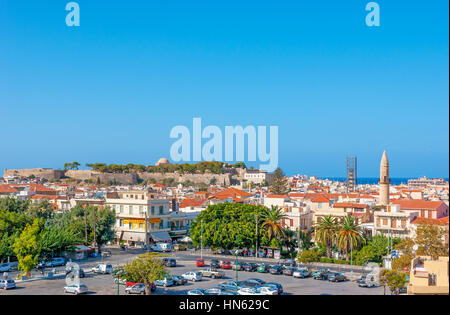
{"x":256,"y":176}
{"x":426,"y":209}
{"x":140,"y":214}
{"x":393,"y":222}
{"x":429,"y":276}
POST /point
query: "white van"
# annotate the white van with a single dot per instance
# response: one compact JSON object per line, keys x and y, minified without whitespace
{"x":103,"y":268}
{"x":162,"y":247}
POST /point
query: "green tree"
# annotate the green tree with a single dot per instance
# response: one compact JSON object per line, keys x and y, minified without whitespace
{"x":430,"y":240}
{"x":349,"y":235}
{"x":325,"y":233}
{"x":392,"y":279}
{"x":27,"y":247}
{"x":278,"y":183}
{"x":308,"y":256}
{"x":145,"y":269}
{"x":272,"y":222}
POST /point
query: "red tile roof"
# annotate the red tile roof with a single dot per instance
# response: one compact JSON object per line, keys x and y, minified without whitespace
{"x":7,"y":189}
{"x":417,"y":204}
{"x":276,"y":196}
{"x":191,"y":202}
{"x":441,"y":221}
{"x":349,"y":205}
{"x":320,"y":199}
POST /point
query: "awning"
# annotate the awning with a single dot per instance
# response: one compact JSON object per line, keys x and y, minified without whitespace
{"x":186,"y":239}
{"x":161,"y":236}
{"x":82,"y":248}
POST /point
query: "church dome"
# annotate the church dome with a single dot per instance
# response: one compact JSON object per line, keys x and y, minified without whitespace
{"x":163,"y":161}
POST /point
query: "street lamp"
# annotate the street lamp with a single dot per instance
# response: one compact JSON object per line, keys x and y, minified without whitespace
{"x":201,"y":242}
{"x":256,"y":221}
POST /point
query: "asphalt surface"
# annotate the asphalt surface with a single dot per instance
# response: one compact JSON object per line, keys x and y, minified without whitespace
{"x":104,"y":284}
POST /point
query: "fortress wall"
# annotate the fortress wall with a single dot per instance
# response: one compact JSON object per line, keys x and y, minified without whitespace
{"x":46,"y":173}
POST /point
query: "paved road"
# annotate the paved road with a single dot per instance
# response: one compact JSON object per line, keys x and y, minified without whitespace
{"x":104,"y":285}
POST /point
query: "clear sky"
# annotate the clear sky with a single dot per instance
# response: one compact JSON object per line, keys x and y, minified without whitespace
{"x":112,"y":89}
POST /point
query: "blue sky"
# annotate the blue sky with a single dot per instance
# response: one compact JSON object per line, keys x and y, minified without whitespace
{"x":112,"y":89}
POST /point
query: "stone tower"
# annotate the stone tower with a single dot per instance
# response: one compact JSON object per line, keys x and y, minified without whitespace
{"x":384,"y":181}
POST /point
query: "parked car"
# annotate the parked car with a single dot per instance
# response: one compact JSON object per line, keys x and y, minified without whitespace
{"x":321,"y":274}
{"x":274,"y":284}
{"x":301,"y":273}
{"x":249,"y":291}
{"x":138,"y":288}
{"x":230,"y":285}
{"x":336,"y":277}
{"x":79,"y":272}
{"x":76,"y":288}
{"x":179,"y":247}
{"x":213,"y":291}
{"x":267,"y":290}
{"x":401,"y":291}
{"x":289,"y":263}
{"x":56,"y":262}
{"x":239,"y":266}
{"x":250,"y":267}
{"x":289,"y":271}
{"x":106,"y":253}
{"x":130,"y":284}
{"x":366,"y":281}
{"x":193,"y":276}
{"x":212,"y":273}
{"x":200,"y":262}
{"x":253,"y":282}
{"x":179,"y":280}
{"x":226,"y":264}
{"x":263,"y":268}
{"x":227,"y":292}
{"x":214,"y":263}
{"x":103,"y":268}
{"x":196,"y":292}
{"x":5,"y":267}
{"x":169,"y":262}
{"x":166,"y":282}
{"x":276,"y":270}
{"x":7,"y":284}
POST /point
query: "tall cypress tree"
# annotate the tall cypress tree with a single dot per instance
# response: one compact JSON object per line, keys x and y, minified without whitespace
{"x":279,"y":183}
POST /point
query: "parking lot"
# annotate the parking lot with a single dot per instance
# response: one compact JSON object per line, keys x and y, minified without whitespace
{"x":104,"y":284}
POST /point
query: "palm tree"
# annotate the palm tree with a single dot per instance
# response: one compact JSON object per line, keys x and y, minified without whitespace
{"x":304,"y":242}
{"x":349,"y":235}
{"x":288,"y":240}
{"x":325,"y":232}
{"x":271,"y":219}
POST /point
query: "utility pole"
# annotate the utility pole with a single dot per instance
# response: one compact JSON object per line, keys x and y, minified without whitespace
{"x":85,"y":225}
{"x":201,"y":248}
{"x":351,"y":251}
{"x":256,"y":253}
{"x":146,"y":232}
{"x":95,"y":222}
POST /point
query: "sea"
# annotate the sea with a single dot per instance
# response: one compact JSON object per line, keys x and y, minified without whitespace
{"x":373,"y":180}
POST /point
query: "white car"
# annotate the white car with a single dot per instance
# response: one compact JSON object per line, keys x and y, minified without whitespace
{"x":6,"y":267}
{"x":103,"y":268}
{"x":76,"y":289}
{"x":267,"y":290}
{"x":193,"y":276}
{"x":249,"y":291}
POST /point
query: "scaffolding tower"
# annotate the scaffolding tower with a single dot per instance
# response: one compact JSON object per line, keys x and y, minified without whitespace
{"x":352,"y":174}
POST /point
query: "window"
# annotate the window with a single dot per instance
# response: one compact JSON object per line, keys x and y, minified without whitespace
{"x":385,"y":221}
{"x":141,"y":225}
{"x":153,"y":210}
{"x":121,"y":209}
{"x":141,"y":209}
{"x":403,"y":223}
{"x":130,"y":209}
{"x":161,"y":209}
{"x":121,"y":222}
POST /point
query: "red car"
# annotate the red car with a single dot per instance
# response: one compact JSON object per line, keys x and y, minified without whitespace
{"x":226,"y":264}
{"x":200,"y":262}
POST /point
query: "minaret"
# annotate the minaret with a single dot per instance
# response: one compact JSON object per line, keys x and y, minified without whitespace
{"x":384,"y":180}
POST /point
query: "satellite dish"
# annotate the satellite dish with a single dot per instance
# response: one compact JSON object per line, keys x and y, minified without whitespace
{"x":415,"y":247}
